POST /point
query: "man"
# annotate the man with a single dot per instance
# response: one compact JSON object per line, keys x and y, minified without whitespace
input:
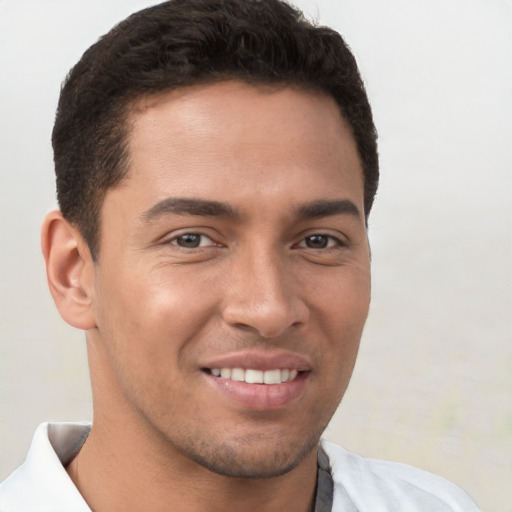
{"x":216,"y":164}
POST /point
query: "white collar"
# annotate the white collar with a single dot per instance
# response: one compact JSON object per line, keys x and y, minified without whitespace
{"x":41,"y":483}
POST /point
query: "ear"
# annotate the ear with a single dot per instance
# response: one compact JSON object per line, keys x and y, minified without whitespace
{"x":69,"y":270}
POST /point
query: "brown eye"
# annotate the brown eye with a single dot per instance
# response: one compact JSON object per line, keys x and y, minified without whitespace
{"x":317,"y":241}
{"x":192,"y":241}
{"x":189,"y":240}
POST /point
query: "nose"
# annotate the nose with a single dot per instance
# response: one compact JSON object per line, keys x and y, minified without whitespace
{"x":263,"y":296}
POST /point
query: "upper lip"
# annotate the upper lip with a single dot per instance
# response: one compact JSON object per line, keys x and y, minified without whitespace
{"x":260,"y":361}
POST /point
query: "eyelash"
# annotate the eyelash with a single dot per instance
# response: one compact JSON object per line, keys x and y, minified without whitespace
{"x":176,"y":239}
{"x":330,"y":241}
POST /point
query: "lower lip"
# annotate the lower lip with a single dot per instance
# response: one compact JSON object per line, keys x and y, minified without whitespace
{"x":260,"y":397}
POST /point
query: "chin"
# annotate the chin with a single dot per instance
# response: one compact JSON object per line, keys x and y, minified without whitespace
{"x":250,"y":461}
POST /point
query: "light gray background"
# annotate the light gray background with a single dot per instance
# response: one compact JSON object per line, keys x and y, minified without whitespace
{"x":433,"y":384}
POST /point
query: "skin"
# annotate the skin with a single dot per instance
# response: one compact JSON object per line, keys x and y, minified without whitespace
{"x":264,"y":280}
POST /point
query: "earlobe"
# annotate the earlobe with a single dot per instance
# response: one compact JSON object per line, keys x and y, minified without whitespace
{"x":69,"y":270}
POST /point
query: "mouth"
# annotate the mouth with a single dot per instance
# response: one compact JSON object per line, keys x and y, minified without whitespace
{"x":258,"y":381}
{"x":255,"y":376}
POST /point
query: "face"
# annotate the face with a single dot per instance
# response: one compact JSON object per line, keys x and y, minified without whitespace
{"x":233,"y":280}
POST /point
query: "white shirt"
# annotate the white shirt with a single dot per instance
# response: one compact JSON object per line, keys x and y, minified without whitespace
{"x":41,"y":483}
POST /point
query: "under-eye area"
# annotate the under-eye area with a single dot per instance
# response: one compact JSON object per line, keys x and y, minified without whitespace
{"x":252,"y":376}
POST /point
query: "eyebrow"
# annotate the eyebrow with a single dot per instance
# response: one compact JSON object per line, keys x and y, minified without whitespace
{"x":189,"y":206}
{"x":204,"y":207}
{"x":326,"y":208}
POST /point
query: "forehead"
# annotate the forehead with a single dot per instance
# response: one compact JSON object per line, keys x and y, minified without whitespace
{"x":235,"y":107}
{"x":231,"y":139}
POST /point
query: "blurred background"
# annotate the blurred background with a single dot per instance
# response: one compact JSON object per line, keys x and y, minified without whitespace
{"x":433,"y":383}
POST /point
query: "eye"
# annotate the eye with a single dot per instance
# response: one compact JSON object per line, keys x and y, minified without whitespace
{"x":320,"y":242}
{"x":192,"y":241}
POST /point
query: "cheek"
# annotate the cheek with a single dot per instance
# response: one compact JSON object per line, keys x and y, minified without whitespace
{"x":344,"y":300}
{"x":341,"y":315}
{"x":151,"y":314}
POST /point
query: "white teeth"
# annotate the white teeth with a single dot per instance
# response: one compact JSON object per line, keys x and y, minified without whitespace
{"x":272,"y":377}
{"x":255,"y":376}
{"x":225,"y":373}
{"x":238,"y":374}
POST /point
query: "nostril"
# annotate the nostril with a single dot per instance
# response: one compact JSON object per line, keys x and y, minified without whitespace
{"x":267,"y":310}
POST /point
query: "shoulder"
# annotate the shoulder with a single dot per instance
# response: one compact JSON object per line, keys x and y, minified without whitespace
{"x":388,"y":486}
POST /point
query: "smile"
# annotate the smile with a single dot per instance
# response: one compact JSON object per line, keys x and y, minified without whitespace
{"x":252,"y":376}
